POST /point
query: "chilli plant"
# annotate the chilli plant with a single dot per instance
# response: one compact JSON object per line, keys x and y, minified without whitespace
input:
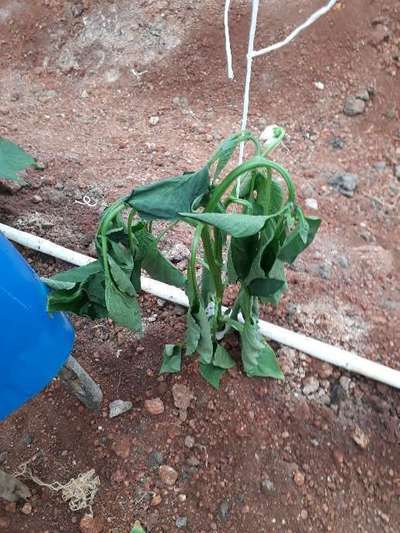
{"x":246,"y":225}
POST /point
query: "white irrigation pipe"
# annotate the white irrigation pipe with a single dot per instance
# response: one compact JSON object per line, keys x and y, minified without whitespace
{"x":325,"y":352}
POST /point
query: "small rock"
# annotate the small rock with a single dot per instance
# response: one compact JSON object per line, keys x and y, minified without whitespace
{"x":311,"y":203}
{"x":380,"y":34}
{"x":182,"y":497}
{"x":193,"y":461}
{"x":189,"y":441}
{"x":118,"y":407}
{"x":353,"y":106}
{"x":223,"y":510}
{"x":179,"y":310}
{"x":182,"y":396}
{"x":168,"y":475}
{"x":299,"y":478}
{"x":325,"y":371}
{"x":338,"y":457}
{"x":380,"y":166}
{"x":343,"y":261}
{"x":154,"y":406}
{"x":156,"y":500}
{"x":337,"y":143}
{"x":84,"y":94}
{"x":319,"y":85}
{"x":122,"y":447}
{"x":304,"y":514}
{"x":325,"y":271}
{"x":338,"y":393}
{"x":267,"y":486}
{"x":36,"y":199}
{"x":363,"y":94}
{"x":346,"y":184}
{"x":310,"y":385}
{"x":178,"y":253}
{"x":26,"y":508}
{"x":396,"y":171}
{"x":155,"y":459}
{"x":360,"y":438}
{"x":345,"y":383}
{"x":153,"y":121}
{"x":89,"y":524}
{"x":181,"y":522}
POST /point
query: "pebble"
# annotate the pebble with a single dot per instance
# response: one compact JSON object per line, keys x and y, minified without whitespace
{"x":310,"y":385}
{"x":353,"y":106}
{"x":122,"y":447}
{"x":345,"y":183}
{"x":182,"y":497}
{"x":179,"y":310}
{"x":337,"y":143}
{"x":178,"y":252}
{"x":380,"y":166}
{"x":319,"y":85}
{"x":153,"y":121}
{"x":343,"y":261}
{"x":360,"y":438}
{"x":118,"y":407}
{"x":396,"y":172}
{"x":181,"y":522}
{"x":168,"y":475}
{"x":325,"y":271}
{"x":154,"y":406}
{"x":182,"y":396}
{"x":223,"y":510}
{"x":189,"y":441}
{"x":304,"y":514}
{"x":26,"y":508}
{"x":267,"y":486}
{"x":338,"y":457}
{"x":156,"y":500}
{"x":155,"y":459}
{"x":311,"y":203}
{"x":363,"y":94}
{"x":299,"y":478}
{"x":36,"y":199}
{"x":89,"y":524}
{"x":325,"y":371}
{"x":345,"y":383}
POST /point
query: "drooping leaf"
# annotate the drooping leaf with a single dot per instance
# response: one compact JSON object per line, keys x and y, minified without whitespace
{"x":172,"y":359}
{"x":121,"y":277}
{"x":276,"y":201}
{"x":243,"y":251}
{"x":66,"y":300}
{"x":13,"y":159}
{"x":198,"y":334}
{"x":57,"y":285}
{"x":156,"y":264}
{"x":123,"y":309}
{"x":222,"y":358}
{"x":258,"y":357}
{"x":294,"y":243}
{"x":277,"y":272}
{"x":165,"y":199}
{"x":79,"y":274}
{"x":237,"y":225}
{"x":265,"y":287}
{"x":211,"y":373}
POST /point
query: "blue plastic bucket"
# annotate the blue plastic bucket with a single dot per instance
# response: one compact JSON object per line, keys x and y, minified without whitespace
{"x":33,"y":343}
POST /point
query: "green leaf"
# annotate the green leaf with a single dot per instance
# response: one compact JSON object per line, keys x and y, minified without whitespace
{"x":13,"y":159}
{"x":123,"y":309}
{"x":172,"y":359}
{"x":222,"y":358}
{"x":237,"y":225}
{"x":154,"y":262}
{"x":198,"y":334}
{"x":54,"y":284}
{"x":121,"y":278}
{"x":243,"y":251}
{"x":79,"y":274}
{"x":277,"y":272}
{"x":211,"y":373}
{"x":226,"y":149}
{"x":276,"y":200}
{"x":137,"y":528}
{"x":165,"y":199}
{"x":258,"y":357}
{"x":66,"y":300}
{"x":294,"y":243}
{"x":265,"y":287}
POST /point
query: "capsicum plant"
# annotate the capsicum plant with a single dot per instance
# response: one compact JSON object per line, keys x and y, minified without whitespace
{"x":246,"y":225}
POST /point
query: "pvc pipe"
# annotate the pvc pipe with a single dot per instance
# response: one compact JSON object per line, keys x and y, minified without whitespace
{"x":320,"y":350}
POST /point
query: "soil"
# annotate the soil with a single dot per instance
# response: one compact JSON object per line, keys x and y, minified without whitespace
{"x":318,"y":452}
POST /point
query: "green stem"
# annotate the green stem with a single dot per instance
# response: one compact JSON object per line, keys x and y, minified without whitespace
{"x":252,"y":164}
{"x":214,"y":269}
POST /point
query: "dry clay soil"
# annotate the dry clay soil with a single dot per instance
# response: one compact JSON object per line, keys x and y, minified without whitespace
{"x":318,"y":452}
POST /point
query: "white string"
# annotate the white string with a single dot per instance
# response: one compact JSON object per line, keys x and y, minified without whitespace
{"x":228,"y":40}
{"x":315,"y":16}
{"x":250,"y":55}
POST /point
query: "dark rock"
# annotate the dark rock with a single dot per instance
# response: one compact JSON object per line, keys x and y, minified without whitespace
{"x":155,"y":459}
{"x":353,"y":106}
{"x":325,"y":271}
{"x":181,"y":522}
{"x":337,"y":143}
{"x":338,"y":393}
{"x":344,"y":183}
{"x":267,"y":486}
{"x":223,"y":510}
